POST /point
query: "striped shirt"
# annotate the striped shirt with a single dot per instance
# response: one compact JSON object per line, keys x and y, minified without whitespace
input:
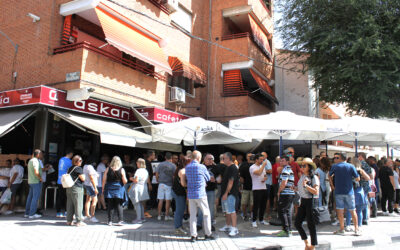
{"x":287,"y":174}
{"x":196,"y":177}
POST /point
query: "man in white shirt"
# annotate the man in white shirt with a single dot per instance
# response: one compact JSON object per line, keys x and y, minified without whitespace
{"x":5,"y":176}
{"x":258,"y":178}
{"x":16,"y":175}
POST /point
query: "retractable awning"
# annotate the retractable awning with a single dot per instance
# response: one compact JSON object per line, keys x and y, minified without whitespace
{"x":188,"y":70}
{"x":110,"y":132}
{"x":9,"y":119}
{"x":263,"y":84}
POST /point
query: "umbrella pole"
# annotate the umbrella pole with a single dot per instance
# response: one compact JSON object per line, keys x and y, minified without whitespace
{"x":195,"y":137}
{"x":356,"y":142}
{"x":387,"y":150}
{"x":280,"y":146}
{"x":326,"y":148}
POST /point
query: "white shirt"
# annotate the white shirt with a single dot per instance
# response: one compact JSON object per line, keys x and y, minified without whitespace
{"x":396,"y":179}
{"x":88,"y":170}
{"x":44,"y":173}
{"x":101,"y":168}
{"x":4,"y":172}
{"x":142,"y":175}
{"x":258,"y":183}
{"x":17,"y":169}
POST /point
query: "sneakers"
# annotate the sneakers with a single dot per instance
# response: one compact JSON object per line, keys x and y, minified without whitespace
{"x":335,"y":223}
{"x":348,"y":229}
{"x":254,"y":224}
{"x":282,"y":233}
{"x":59,"y":215}
{"x":234,"y":231}
{"x":339,"y":232}
{"x":265,"y":223}
{"x":393,"y":215}
{"x":158,"y":217}
{"x":193,"y":239}
{"x":26,"y":216}
{"x":225,"y":228}
{"x":8,"y":212}
{"x":365,"y":222}
{"x":80,"y":224}
{"x":357,"y":233}
{"x":110,"y":223}
{"x":120,"y":223}
{"x":35,"y":216}
{"x":385,"y":213}
{"x":181,"y":231}
{"x":168,"y":218}
{"x":209,"y":237}
{"x":94,"y":220}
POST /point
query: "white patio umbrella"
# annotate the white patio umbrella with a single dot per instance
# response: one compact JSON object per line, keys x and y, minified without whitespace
{"x":286,"y":125}
{"x":196,"y":131}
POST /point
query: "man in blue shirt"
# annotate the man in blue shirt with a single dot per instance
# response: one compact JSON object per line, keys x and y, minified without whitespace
{"x":344,"y":173}
{"x":196,"y":177}
{"x":285,"y":197}
{"x":63,"y":165}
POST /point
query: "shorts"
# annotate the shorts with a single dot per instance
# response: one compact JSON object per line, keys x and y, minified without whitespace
{"x":90,"y":191}
{"x":397,"y":197}
{"x":345,"y":201}
{"x":297,"y":199}
{"x":164,"y":192}
{"x":247,"y":198}
{"x":14,"y":188}
{"x":228,"y":205}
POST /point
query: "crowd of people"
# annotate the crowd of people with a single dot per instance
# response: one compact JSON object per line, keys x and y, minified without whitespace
{"x":192,"y":186}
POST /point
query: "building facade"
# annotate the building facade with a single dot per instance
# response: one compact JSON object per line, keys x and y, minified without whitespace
{"x":69,"y":65}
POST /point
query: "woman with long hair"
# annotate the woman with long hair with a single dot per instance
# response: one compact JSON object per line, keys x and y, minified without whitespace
{"x":179,"y":195}
{"x":324,"y":165}
{"x":308,"y":187}
{"x":75,"y":193}
{"x":114,"y":180}
{"x":140,"y":193}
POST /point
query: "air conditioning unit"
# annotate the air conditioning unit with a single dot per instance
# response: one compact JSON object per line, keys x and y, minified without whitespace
{"x":172,"y":5}
{"x":177,"y":95}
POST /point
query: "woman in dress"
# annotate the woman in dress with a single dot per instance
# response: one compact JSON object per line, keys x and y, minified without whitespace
{"x":138,"y":192}
{"x":75,"y":193}
{"x":308,"y":187}
{"x":114,"y":180}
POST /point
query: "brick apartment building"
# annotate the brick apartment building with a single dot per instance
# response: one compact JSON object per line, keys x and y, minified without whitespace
{"x":68,"y":66}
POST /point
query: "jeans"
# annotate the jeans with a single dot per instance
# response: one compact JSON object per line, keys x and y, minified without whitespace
{"x":345,"y":201}
{"x":33,"y":197}
{"x":360,"y":218}
{"x":139,"y":211}
{"x":285,"y":204}
{"x":180,"y":206}
{"x":365,"y":210}
{"x":305,"y":212}
{"x":211,"y":205}
{"x":61,"y":198}
{"x":260,"y":203}
{"x":74,"y":203}
{"x":201,"y":203}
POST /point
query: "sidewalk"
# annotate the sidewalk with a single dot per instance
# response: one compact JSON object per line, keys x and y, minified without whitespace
{"x":52,"y":233}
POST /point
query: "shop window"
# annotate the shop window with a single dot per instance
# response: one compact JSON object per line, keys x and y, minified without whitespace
{"x":183,"y":83}
{"x":182,"y":18}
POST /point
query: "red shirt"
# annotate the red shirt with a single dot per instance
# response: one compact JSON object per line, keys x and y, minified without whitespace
{"x":275,"y":173}
{"x":296,"y":171}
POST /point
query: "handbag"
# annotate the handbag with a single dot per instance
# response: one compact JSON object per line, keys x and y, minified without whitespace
{"x":6,"y":197}
{"x":66,"y":180}
{"x":319,"y":214}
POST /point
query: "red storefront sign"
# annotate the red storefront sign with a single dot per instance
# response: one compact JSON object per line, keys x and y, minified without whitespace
{"x":58,"y":98}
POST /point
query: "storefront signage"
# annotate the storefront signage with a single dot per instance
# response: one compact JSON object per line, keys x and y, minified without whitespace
{"x":58,"y":98}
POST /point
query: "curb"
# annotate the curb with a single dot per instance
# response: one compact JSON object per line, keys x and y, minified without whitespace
{"x":363,"y":242}
{"x":395,"y":238}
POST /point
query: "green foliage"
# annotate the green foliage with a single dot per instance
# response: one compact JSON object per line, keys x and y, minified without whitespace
{"x":353,"y":48}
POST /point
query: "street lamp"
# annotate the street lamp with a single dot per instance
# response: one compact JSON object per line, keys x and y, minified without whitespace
{"x":13,"y":73}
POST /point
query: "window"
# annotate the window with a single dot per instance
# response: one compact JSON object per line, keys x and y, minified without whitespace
{"x":182,"y":18}
{"x":183,"y":83}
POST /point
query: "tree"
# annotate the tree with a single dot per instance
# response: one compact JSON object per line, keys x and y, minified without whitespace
{"x":353,"y":48}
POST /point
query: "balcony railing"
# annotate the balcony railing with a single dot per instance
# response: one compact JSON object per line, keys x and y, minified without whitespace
{"x":161,"y":5}
{"x":123,"y":61}
{"x":235,"y":36}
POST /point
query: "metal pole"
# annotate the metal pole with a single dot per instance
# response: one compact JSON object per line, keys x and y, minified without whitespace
{"x":356,"y":142}
{"x":326,"y":148}
{"x":387,"y":150}
{"x":280,"y":146}
{"x":391,"y":151}
{"x":195,"y":138}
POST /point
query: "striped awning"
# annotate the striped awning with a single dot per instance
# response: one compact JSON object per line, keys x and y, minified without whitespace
{"x":233,"y":83}
{"x":129,"y":37}
{"x":260,"y":38}
{"x":263,"y":84}
{"x":188,"y":70}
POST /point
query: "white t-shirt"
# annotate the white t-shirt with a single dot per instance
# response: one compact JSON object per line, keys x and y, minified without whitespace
{"x":142,"y":175}
{"x":87,"y":171}
{"x":17,"y":169}
{"x":44,"y":173}
{"x":4,"y":172}
{"x":101,"y":168}
{"x":258,"y":183}
{"x":396,"y":179}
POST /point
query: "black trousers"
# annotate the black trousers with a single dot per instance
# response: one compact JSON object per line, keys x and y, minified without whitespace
{"x":387,"y":197}
{"x":305,"y":212}
{"x":115,"y":204}
{"x":61,"y":199}
{"x":259,"y":204}
{"x":285,"y":204}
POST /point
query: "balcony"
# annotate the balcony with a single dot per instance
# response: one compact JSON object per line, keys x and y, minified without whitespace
{"x":102,"y":52}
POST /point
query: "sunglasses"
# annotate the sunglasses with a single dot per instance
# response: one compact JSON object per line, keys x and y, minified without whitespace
{"x":303,"y":166}
{"x":336,"y":158}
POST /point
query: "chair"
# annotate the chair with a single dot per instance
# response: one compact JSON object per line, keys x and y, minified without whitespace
{"x":55,"y":188}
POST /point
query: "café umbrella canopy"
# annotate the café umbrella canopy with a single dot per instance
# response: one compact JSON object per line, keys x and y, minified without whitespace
{"x":284,"y":125}
{"x":196,"y":131}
